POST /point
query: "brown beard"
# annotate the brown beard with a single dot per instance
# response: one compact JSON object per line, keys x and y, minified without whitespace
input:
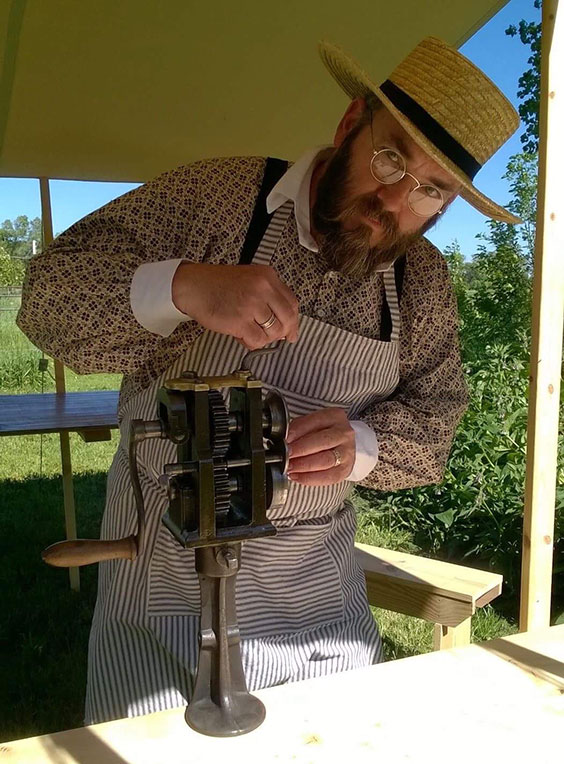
{"x":349,"y":251}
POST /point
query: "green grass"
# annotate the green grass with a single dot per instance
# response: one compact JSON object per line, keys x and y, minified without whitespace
{"x":19,"y":361}
{"x":404,"y":635}
{"x":35,"y":455}
{"x":45,"y":626}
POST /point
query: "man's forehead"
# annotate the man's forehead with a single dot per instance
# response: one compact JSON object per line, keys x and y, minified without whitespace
{"x":391,"y":129}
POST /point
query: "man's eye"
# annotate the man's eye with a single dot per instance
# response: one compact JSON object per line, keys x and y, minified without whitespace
{"x":432,"y":192}
{"x":395,"y":158}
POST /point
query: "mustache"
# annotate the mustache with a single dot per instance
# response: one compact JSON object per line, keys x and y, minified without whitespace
{"x":368,"y":205}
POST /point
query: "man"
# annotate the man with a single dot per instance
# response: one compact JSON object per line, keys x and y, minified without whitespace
{"x":170,"y":277}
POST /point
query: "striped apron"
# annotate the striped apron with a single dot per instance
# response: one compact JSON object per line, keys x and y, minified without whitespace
{"x":301,"y":597}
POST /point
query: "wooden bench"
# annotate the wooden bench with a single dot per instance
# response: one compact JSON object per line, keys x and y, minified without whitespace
{"x":441,"y":592}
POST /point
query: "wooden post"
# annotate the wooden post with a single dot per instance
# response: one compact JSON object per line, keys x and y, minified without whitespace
{"x":546,"y":349}
{"x":60,"y":387}
{"x":445,"y":637}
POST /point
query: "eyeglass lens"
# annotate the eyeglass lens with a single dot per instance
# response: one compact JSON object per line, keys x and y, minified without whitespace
{"x":389,"y":167}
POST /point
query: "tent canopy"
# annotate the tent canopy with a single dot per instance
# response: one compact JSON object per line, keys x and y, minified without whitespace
{"x":120,"y":91}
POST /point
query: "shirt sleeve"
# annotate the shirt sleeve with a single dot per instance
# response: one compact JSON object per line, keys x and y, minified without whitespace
{"x":151,"y":297}
{"x":415,"y":426}
{"x":366,"y":444}
{"x":76,"y":294}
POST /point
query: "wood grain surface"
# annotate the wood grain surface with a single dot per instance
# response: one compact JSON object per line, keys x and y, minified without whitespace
{"x":498,"y":701}
{"x":36,"y":413}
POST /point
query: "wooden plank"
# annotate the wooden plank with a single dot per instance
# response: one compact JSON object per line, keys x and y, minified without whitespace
{"x":485,"y":599}
{"x":66,"y":464}
{"x":68,"y":502}
{"x":507,"y":695}
{"x":547,"y":323}
{"x":36,"y":413}
{"x":539,"y":653}
{"x":401,"y":596}
{"x":95,"y":434}
{"x":435,"y":576}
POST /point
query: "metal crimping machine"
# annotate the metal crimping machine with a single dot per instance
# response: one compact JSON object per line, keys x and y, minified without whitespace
{"x":230,"y":469}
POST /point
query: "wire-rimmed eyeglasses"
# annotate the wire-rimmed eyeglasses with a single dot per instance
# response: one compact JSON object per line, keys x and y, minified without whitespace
{"x":389,"y":166}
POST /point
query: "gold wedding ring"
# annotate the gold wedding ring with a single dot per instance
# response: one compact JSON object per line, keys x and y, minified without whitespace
{"x":269,"y":321}
{"x":337,"y":455}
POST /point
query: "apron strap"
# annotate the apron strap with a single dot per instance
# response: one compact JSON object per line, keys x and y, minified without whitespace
{"x":393,"y":284}
{"x":272,"y":234}
{"x":265,"y":228}
{"x":273,"y":171}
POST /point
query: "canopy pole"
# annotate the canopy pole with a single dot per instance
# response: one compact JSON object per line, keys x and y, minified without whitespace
{"x":60,"y":387}
{"x":547,"y":324}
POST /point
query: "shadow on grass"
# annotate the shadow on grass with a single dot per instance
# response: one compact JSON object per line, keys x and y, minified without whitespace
{"x":44,"y":625}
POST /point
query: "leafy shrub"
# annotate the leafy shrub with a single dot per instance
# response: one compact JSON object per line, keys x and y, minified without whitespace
{"x":477,"y":512}
{"x":11,"y":271}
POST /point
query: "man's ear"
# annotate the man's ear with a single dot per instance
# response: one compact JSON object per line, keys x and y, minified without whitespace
{"x":349,"y":120}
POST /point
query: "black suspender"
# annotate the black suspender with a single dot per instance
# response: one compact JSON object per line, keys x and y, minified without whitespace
{"x":386,"y":320}
{"x":273,"y":171}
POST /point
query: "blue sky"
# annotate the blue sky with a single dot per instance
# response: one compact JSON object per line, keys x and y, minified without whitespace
{"x":501,"y":57}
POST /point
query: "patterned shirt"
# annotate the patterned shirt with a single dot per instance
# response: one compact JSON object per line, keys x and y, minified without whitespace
{"x":76,"y":304}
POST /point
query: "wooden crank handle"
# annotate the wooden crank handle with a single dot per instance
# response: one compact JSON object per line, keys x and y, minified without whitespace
{"x":70,"y":554}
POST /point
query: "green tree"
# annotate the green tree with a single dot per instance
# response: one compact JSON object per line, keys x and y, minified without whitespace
{"x":521,"y":173}
{"x":461,"y":275}
{"x":500,"y":301}
{"x":11,"y":271}
{"x":457,"y":267}
{"x":494,"y":289}
{"x":17,"y":236}
{"x":529,"y":82}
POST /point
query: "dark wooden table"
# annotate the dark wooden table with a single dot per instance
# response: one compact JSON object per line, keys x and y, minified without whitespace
{"x":92,"y":414}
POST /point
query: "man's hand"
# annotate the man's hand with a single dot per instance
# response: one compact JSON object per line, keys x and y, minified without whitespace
{"x":235,"y":300}
{"x":312,"y":441}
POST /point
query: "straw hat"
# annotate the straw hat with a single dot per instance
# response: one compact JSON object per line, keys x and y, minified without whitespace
{"x":446,"y":104}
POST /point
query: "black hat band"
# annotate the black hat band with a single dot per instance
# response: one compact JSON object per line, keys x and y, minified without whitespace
{"x":431,"y":129}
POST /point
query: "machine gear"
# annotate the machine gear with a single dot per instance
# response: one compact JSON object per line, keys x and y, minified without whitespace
{"x":219,"y":430}
{"x":219,"y":423}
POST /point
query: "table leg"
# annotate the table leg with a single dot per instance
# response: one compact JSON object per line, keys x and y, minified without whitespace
{"x":68,"y":500}
{"x":452,"y":636}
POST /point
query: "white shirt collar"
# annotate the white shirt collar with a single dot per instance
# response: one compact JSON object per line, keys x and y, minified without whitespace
{"x":295,"y":185}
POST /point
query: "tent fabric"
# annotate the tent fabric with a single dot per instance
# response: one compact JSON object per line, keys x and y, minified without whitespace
{"x":99,"y":90}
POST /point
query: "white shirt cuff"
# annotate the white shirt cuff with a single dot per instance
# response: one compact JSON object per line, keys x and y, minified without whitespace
{"x":366,"y":451}
{"x":151,"y":297}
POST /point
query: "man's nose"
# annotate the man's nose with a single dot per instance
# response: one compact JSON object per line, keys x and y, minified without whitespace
{"x":394,"y":195}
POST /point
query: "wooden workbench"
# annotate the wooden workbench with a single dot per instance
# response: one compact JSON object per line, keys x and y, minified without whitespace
{"x":87,"y":413}
{"x":501,"y":701}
